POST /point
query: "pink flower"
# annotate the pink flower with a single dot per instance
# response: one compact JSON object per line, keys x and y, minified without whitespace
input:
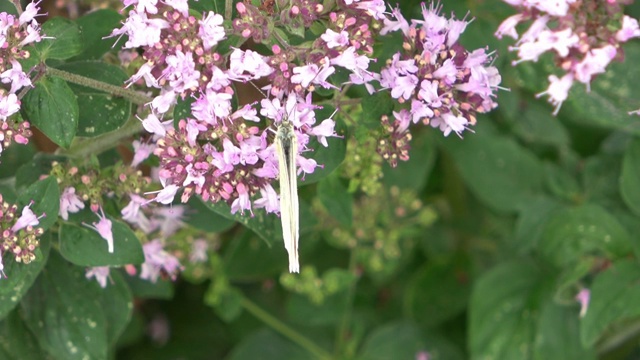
{"x":156,"y":261}
{"x":629,"y":29}
{"x":334,"y":39}
{"x":132,"y":214}
{"x":101,"y":273}
{"x":28,"y":218}
{"x":169,"y":219}
{"x":583,"y":297}
{"x":508,"y":27}
{"x":141,"y":151}
{"x":269,"y":200}
{"x":558,"y":90}
{"x":16,"y":77}
{"x":211,"y":30}
{"x":166,"y":195}
{"x":70,"y":202}
{"x":153,"y":125}
{"x":247,"y":65}
{"x":449,"y":122}
{"x":324,"y":130}
{"x":199,"y":251}
{"x":103,"y":227}
{"x":29,"y":13}
{"x":9,"y":105}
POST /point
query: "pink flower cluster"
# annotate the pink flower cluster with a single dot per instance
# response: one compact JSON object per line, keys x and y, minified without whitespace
{"x":159,"y":223}
{"x":15,"y":34}
{"x":444,"y":84}
{"x":20,"y":234}
{"x":584,"y":36}
{"x":219,"y":153}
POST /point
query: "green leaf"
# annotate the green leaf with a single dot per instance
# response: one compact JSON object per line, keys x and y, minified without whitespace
{"x":630,"y":179}
{"x":503,"y":311}
{"x":613,"y":94}
{"x":413,"y":174}
{"x":394,"y":341}
{"x":373,"y":107}
{"x":99,"y":112}
{"x":85,"y":247}
{"x":601,"y":178}
{"x":64,"y":312}
{"x":64,"y":39}
{"x":94,"y":26}
{"x":250,"y":258}
{"x":21,"y":276}
{"x":306,"y":312}
{"x":31,"y":172}
{"x":8,"y":7}
{"x":229,"y":306}
{"x":336,"y":199}
{"x":329,"y":157}
{"x":438,"y":292}
{"x":404,"y":340}
{"x":576,"y":232}
{"x":558,"y":334}
{"x":117,"y":304}
{"x":182,"y":110}
{"x":561,"y":183}
{"x":497,"y":170}
{"x":13,"y":157}
{"x":615,"y":296}
{"x":536,"y":125}
{"x":53,"y":108}
{"x":16,"y":342}
{"x":267,"y":345}
{"x":267,"y":226}
{"x":532,"y":217}
{"x":203,"y":218}
{"x":144,"y":289}
{"x":45,"y":195}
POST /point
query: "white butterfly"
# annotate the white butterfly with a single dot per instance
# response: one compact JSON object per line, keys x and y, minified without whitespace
{"x":286,"y":144}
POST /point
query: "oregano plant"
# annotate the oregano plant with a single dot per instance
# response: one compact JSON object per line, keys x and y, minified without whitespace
{"x":445,"y":180}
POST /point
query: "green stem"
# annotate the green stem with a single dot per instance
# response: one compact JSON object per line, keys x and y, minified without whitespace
{"x":285,"y":330}
{"x":131,"y":95}
{"x":98,"y":144}
{"x":228,"y":9}
{"x":619,"y":338}
{"x":346,"y":316}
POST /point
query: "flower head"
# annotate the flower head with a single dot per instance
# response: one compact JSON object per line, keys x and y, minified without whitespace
{"x":104,"y":228}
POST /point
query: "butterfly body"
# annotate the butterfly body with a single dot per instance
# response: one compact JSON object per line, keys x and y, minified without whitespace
{"x":286,"y":144}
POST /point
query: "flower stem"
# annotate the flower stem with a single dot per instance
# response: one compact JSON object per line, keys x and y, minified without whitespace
{"x":625,"y":334}
{"x":341,"y":334}
{"x":285,"y":330}
{"x":98,"y":144}
{"x":131,"y":95}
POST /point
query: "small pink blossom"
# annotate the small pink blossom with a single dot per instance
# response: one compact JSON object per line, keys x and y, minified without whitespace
{"x":141,"y":151}
{"x":558,"y":90}
{"x":103,"y":227}
{"x":70,"y":202}
{"x":629,"y":29}
{"x":157,"y":261}
{"x":334,"y":39}
{"x":583,"y":297}
{"x":153,"y":125}
{"x":199,"y":250}
{"x":28,"y":218}
{"x":100,"y":273}
{"x":166,"y":195}
{"x":9,"y":105}
{"x":211,"y":30}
